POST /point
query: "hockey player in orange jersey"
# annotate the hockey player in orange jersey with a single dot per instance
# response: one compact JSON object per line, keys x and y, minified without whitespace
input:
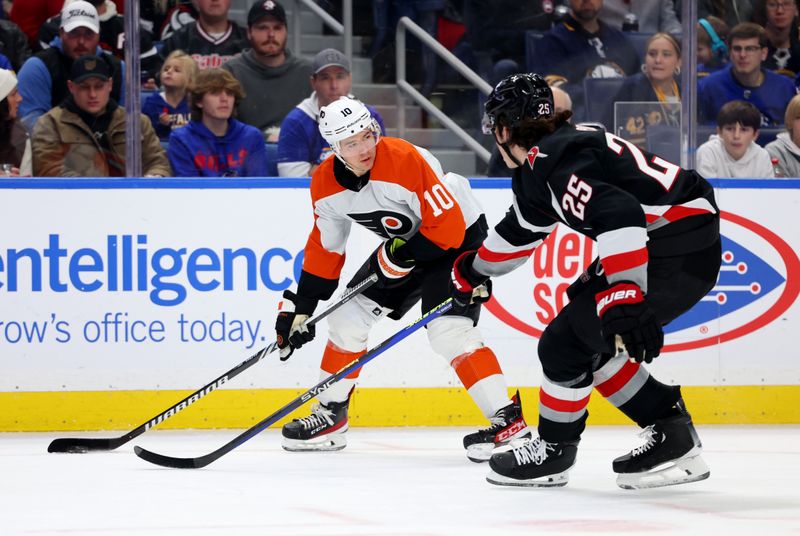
{"x":427,"y":218}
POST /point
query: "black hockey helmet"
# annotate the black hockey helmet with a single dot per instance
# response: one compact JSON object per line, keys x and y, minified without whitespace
{"x":517,"y":97}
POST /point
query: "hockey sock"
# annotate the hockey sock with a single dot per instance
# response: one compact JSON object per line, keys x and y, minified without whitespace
{"x":333,"y":360}
{"x":632,"y":389}
{"x":562,"y":410}
{"x":483,"y":378}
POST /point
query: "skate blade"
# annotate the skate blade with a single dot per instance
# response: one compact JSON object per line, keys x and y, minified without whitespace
{"x":681,"y":471}
{"x":320,"y":444}
{"x":482,"y":452}
{"x":551,"y":481}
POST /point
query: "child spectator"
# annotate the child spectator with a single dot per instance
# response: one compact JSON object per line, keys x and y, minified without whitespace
{"x":732,"y":152}
{"x":214,"y":144}
{"x":169,"y":109}
{"x":15,"y":149}
{"x":712,"y":52}
{"x":785,"y":150}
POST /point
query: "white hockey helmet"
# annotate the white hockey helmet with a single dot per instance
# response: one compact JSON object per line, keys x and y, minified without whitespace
{"x":343,"y":118}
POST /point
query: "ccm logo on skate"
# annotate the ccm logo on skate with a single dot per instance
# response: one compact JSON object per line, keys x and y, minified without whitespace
{"x":510,"y":432}
{"x":188,"y":402}
{"x":758,"y":281}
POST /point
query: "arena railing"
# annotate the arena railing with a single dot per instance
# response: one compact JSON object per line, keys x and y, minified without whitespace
{"x":404,"y":25}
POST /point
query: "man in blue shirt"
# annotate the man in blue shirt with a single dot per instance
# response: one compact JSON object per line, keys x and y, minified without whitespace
{"x":301,"y":147}
{"x":43,"y":77}
{"x":745,"y":79}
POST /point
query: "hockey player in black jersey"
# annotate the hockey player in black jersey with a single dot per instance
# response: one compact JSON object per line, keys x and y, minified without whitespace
{"x":657,"y":231}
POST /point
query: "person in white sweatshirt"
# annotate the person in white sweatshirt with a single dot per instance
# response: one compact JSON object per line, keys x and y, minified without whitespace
{"x":733,"y":152}
{"x":786,"y":149}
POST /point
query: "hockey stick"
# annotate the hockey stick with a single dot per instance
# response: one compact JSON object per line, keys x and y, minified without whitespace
{"x":324,"y":385}
{"x":69,"y":444}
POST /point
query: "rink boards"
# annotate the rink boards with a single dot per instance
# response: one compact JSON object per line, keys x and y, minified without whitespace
{"x":117,"y":298}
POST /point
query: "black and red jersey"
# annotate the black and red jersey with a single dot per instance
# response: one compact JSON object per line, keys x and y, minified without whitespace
{"x":608,"y":189}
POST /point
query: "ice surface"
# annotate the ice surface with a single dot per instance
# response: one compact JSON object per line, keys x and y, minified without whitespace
{"x":387,"y":482}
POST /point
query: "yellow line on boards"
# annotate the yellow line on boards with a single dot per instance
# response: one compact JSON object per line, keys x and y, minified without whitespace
{"x":439,"y":406}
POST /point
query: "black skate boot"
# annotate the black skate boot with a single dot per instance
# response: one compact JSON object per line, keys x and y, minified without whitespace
{"x":324,"y":429}
{"x":536,"y":463}
{"x":507,"y":424}
{"x":670,"y":455}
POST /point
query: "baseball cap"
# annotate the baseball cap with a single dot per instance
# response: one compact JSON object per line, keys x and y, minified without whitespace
{"x":79,"y":14}
{"x":266,"y":8}
{"x":88,"y":67}
{"x":330,"y":57}
{"x":7,"y":83}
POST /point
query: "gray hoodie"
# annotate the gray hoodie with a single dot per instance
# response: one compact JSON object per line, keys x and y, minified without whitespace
{"x":787,"y":153}
{"x":270,"y":92}
{"x":714,"y":161}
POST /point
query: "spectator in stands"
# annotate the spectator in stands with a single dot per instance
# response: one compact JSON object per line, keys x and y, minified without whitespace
{"x":85,"y":135}
{"x":746,"y":79}
{"x":270,"y":74}
{"x":785,"y":150}
{"x":659,"y":81}
{"x":712,"y":52}
{"x":651,"y":15}
{"x":212,"y":40}
{"x":43,"y":78}
{"x":162,"y":18}
{"x":214,"y":144}
{"x":733,"y":12}
{"x":15,"y":148}
{"x":497,"y":29}
{"x":779,"y":19}
{"x":733,"y":152}
{"x":112,"y":36}
{"x":13,"y":44}
{"x":169,"y":109}
{"x":301,"y":148}
{"x":583,"y":46}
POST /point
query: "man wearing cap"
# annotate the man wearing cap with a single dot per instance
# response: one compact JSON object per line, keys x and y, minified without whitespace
{"x":212,"y":40}
{"x":112,"y":35}
{"x":301,"y":148}
{"x":43,"y":78}
{"x":269,"y":73}
{"x":85,"y":135}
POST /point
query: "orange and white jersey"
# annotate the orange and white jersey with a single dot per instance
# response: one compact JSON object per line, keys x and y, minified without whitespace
{"x":407,"y":195}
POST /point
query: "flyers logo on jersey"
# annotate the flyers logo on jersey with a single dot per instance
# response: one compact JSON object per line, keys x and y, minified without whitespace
{"x":758,"y":281}
{"x":384,"y":222}
{"x":533,"y":154}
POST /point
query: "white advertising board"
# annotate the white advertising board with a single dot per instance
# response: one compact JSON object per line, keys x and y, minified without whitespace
{"x":107,"y":286}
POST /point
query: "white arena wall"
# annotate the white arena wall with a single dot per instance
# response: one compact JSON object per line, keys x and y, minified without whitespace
{"x":119,"y":297}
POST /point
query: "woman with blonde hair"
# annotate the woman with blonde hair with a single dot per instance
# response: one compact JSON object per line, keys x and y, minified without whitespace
{"x":659,"y":81}
{"x":169,"y":109}
{"x":785,"y":150}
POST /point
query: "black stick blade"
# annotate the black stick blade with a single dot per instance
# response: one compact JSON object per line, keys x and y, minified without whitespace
{"x":168,"y":461}
{"x":80,"y":445}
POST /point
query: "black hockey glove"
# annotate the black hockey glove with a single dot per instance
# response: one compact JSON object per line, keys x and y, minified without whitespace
{"x":291,"y":330}
{"x":623,"y":311}
{"x":391,"y":262}
{"x":468,"y":287}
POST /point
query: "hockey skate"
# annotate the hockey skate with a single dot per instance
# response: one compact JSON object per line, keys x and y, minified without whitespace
{"x":324,"y":429}
{"x":670,"y":455}
{"x":536,"y":463}
{"x":508,"y":425}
